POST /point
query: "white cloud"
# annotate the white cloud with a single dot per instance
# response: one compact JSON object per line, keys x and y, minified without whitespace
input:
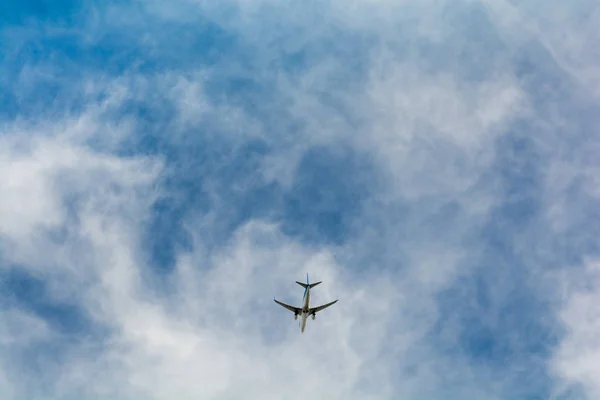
{"x":39,"y":173}
{"x":18,"y":330}
{"x":577,"y":359}
{"x":54,"y":185}
{"x":567,"y":30}
{"x":154,"y":350}
{"x":435,"y":133}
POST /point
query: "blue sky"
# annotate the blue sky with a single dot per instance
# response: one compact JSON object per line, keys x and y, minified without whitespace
{"x":166,"y":169}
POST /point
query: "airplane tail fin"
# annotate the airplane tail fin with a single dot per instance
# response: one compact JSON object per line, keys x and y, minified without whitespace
{"x":308,"y":285}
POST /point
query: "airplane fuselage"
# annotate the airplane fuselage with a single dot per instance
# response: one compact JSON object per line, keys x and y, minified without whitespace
{"x":305,"y":313}
{"x":305,"y":307}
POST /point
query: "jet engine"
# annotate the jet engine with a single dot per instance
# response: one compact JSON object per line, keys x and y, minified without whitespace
{"x":295,"y":317}
{"x":314,"y":316}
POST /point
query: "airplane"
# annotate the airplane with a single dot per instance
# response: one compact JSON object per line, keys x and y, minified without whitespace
{"x":305,"y":311}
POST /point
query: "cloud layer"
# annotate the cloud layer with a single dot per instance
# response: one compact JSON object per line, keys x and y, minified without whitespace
{"x":166,"y":170}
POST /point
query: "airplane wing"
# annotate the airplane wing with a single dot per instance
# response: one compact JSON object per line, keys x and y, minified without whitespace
{"x":295,"y":310}
{"x":315,"y":310}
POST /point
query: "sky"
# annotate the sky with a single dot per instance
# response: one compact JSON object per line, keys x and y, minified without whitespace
{"x":167,"y":168}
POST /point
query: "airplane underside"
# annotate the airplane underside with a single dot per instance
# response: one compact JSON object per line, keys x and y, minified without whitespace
{"x":305,"y":310}
{"x":313,"y":315}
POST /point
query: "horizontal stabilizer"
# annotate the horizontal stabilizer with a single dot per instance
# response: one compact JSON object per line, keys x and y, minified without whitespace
{"x":310,"y":285}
